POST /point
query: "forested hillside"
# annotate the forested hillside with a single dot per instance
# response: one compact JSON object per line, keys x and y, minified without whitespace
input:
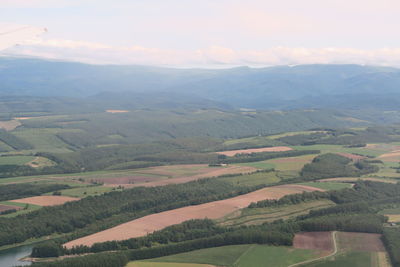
{"x":282,"y":87}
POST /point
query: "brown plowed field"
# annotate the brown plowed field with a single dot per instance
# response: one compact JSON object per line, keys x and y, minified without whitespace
{"x":231,"y":153}
{"x":360,"y":241}
{"x":391,"y":157}
{"x":212,"y":210}
{"x":314,"y":240}
{"x":8,"y":207}
{"x":352,"y":156}
{"x":9,"y":125}
{"x":45,"y":200}
{"x":135,"y":181}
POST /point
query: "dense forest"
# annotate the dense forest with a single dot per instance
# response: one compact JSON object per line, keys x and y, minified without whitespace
{"x":333,"y":165}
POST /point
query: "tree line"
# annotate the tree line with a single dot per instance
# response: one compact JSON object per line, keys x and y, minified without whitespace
{"x":14,"y":191}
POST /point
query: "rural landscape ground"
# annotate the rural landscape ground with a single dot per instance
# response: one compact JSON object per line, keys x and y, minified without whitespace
{"x":223,"y":133}
{"x":319,"y":197}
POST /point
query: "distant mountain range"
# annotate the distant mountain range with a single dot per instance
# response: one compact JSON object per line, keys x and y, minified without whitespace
{"x":282,"y":87}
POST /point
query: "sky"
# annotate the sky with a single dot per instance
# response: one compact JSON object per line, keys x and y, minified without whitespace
{"x":203,"y":33}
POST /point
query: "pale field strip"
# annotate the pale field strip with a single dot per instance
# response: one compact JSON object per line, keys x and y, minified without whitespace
{"x":116,"y":111}
{"x":235,"y":169}
{"x":212,"y":210}
{"x":45,"y":200}
{"x":231,"y":153}
{"x":393,"y":217}
{"x":9,"y":125}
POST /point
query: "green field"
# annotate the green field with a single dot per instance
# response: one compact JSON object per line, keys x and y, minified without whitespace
{"x":386,"y":170}
{"x":255,"y":216}
{"x":338,"y":148}
{"x":271,"y":256}
{"x":328,"y":185}
{"x":221,"y":256}
{"x":258,"y":164}
{"x":45,"y":139}
{"x":291,"y":163}
{"x":253,"y":179}
{"x":15,"y":160}
{"x":256,"y":141}
{"x":347,"y":259}
{"x":242,"y":256}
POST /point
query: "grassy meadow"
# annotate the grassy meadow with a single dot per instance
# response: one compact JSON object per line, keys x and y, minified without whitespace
{"x":241,"y":256}
{"x":255,"y":216}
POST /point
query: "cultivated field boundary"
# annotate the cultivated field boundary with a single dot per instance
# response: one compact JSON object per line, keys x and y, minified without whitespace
{"x":335,"y":250}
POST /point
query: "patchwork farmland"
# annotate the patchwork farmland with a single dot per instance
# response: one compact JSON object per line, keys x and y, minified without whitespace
{"x":212,"y":210}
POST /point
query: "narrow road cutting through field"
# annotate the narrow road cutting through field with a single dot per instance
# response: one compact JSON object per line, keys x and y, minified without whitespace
{"x":212,"y":210}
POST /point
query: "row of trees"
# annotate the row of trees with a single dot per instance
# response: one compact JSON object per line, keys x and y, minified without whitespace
{"x":391,"y":239}
{"x":14,"y":191}
{"x":368,"y":192}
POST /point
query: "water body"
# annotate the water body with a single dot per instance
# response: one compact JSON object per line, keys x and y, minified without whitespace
{"x":10,"y":257}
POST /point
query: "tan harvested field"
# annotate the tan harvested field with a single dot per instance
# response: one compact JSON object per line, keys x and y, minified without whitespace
{"x":116,"y":111}
{"x":213,"y":210}
{"x":231,"y":153}
{"x":355,"y":179}
{"x":9,"y":207}
{"x":175,"y":174}
{"x":291,"y":163}
{"x":393,"y":156}
{"x":360,"y":242}
{"x":382,"y":259}
{"x":383,"y":147}
{"x":45,"y":200}
{"x":9,"y":125}
{"x":314,"y":240}
{"x":353,"y":157}
{"x":393,"y":217}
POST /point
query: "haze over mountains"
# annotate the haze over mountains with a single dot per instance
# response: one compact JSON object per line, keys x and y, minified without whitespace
{"x":281,"y":87}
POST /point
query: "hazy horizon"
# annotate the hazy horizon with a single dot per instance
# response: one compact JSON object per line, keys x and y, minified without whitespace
{"x":203,"y":34}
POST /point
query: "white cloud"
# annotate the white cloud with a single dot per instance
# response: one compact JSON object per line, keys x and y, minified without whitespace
{"x":97,"y":53}
{"x":14,"y":34}
{"x":37,"y":3}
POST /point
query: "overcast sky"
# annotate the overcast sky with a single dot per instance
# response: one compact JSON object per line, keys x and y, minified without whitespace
{"x":203,"y":32}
